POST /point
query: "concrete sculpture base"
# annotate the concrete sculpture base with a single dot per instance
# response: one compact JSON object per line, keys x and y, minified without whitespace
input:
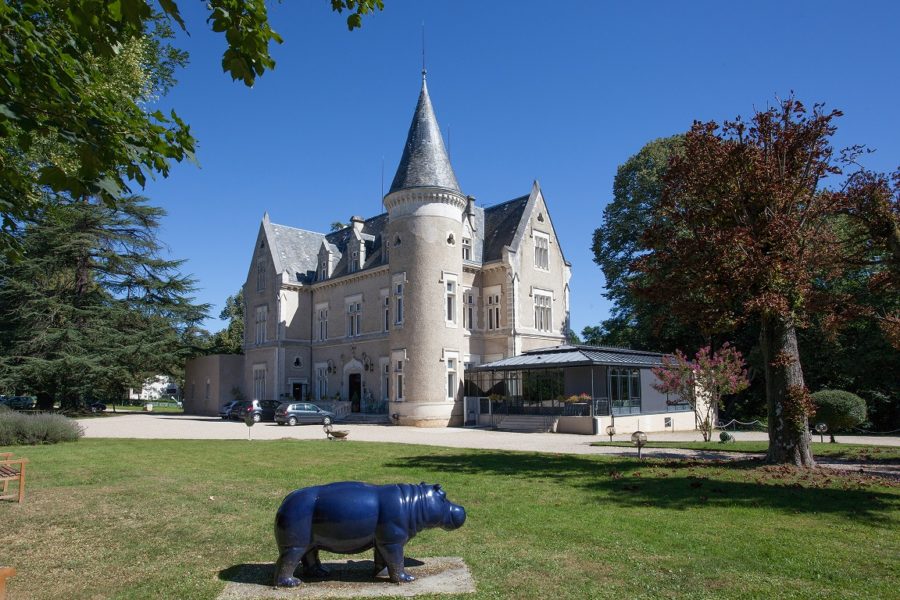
{"x":352,"y":579}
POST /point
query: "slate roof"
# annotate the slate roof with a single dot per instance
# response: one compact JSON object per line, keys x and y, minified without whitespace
{"x":424,"y":161}
{"x":574,"y":356}
{"x":297,"y":249}
{"x":501,"y":222}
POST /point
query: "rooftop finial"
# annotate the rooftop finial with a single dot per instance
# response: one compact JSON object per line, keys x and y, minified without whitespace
{"x":424,"y":70}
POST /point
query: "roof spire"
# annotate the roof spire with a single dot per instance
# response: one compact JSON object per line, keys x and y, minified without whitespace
{"x":424,"y":70}
{"x":424,"y":162}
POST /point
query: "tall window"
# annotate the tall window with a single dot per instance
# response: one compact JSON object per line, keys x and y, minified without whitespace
{"x":387,"y":313}
{"x":321,"y":382}
{"x":625,"y":391}
{"x":398,"y":377}
{"x":259,"y":382}
{"x":398,"y":303}
{"x":323,"y":270}
{"x":260,"y":274}
{"x":451,"y":301}
{"x":261,"y":316}
{"x":323,"y":323}
{"x":467,"y":248}
{"x":354,"y":316}
{"x":493,"y":311}
{"x":469,"y":310}
{"x":451,"y":377}
{"x":354,"y":261}
{"x":385,"y":380}
{"x":542,"y":313}
{"x":542,"y":251}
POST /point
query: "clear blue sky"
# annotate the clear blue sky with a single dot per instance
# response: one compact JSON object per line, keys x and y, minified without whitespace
{"x":558,"y":92}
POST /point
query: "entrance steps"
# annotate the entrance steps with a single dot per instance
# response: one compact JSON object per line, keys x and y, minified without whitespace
{"x":525,"y":423}
{"x":365,"y":419}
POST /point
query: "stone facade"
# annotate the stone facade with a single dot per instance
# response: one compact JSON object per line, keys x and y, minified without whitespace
{"x":389,"y":311}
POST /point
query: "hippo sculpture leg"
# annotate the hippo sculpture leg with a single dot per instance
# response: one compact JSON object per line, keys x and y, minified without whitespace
{"x":351,"y":517}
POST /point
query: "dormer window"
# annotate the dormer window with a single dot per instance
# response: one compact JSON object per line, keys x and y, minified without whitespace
{"x":323,"y":270}
{"x":354,"y":262}
{"x":467,"y":248}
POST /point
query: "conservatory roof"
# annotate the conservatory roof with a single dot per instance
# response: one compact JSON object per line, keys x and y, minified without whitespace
{"x":555,"y":357}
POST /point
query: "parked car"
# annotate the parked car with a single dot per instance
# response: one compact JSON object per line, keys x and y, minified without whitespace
{"x":264,"y":412}
{"x":21,"y":402}
{"x":225,"y":409}
{"x":293,"y":413}
{"x":96,"y":407}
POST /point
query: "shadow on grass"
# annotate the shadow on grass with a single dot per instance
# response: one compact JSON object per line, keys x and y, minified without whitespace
{"x":682,"y":484}
{"x":351,"y":571}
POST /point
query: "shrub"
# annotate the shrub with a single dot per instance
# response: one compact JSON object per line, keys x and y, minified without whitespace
{"x":839,"y":409}
{"x":20,"y":429}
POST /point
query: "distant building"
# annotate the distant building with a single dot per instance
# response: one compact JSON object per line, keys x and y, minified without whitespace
{"x":154,"y":389}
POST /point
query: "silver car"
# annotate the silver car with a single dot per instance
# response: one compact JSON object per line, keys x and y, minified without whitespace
{"x":293,"y":413}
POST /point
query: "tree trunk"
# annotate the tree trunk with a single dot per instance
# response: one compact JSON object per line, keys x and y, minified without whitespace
{"x":788,"y":427}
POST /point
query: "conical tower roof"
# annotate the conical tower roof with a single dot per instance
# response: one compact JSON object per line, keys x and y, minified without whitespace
{"x":424,"y":162}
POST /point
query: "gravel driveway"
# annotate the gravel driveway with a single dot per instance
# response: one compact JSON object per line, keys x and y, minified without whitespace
{"x":169,"y":426}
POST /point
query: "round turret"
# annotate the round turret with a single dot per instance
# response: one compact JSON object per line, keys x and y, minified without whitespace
{"x":424,"y":235}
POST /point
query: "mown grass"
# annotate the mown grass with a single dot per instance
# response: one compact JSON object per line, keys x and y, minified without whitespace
{"x":850,"y":452}
{"x":170,"y":519}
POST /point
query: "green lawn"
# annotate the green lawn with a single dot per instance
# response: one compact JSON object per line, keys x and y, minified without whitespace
{"x":855,"y":452}
{"x":165,"y":519}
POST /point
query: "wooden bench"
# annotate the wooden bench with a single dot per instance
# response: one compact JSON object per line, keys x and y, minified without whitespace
{"x":12,"y":469}
{"x":4,"y":573}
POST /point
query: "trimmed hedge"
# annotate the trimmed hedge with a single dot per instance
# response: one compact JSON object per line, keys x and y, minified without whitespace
{"x":839,"y":409}
{"x":18,"y":429}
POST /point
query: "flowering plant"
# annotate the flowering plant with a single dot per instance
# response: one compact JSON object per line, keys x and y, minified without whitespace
{"x":703,"y":380}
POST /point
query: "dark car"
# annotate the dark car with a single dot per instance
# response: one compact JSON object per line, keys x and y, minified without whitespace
{"x":225,"y":410}
{"x":96,"y":407}
{"x":264,"y":412}
{"x":21,"y":402}
{"x":293,"y":413}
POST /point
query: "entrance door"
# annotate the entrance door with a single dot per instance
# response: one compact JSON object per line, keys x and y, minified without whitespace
{"x":355,"y":390}
{"x":299,"y":391}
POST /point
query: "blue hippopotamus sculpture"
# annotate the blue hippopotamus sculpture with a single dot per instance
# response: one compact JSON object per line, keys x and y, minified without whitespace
{"x":351,"y":517}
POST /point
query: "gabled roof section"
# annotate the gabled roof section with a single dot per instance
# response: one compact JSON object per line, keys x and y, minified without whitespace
{"x":501,"y":222}
{"x":424,"y":161}
{"x":294,"y":250}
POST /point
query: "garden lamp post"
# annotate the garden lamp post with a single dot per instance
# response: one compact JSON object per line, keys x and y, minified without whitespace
{"x":610,"y":431}
{"x":639,"y":439}
{"x":248,"y":420}
{"x":821,"y":428}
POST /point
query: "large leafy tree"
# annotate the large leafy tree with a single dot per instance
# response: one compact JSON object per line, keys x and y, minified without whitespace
{"x":49,"y":52}
{"x":858,"y":356}
{"x":92,"y":307}
{"x":635,"y":321}
{"x":744,"y":232}
{"x":231,"y":339}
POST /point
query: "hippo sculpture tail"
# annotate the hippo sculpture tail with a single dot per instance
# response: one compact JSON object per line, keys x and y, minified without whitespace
{"x":351,"y":517}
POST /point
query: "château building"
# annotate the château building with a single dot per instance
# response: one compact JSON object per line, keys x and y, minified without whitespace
{"x":389,"y":312}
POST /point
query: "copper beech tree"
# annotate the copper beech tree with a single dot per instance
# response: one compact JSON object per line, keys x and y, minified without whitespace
{"x":745,"y":231}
